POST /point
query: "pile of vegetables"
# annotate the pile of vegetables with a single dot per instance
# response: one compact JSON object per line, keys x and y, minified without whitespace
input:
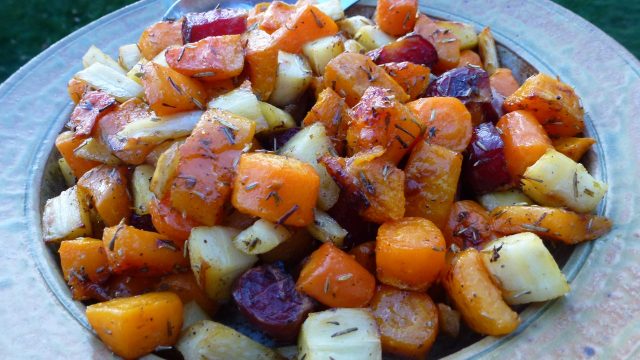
{"x":354,"y":187}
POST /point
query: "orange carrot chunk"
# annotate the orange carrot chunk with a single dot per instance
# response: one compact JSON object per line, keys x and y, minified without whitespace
{"x":168,"y":91}
{"x":469,"y":57}
{"x":335,"y":279}
{"x":331,"y":111}
{"x":413,"y":78}
{"x":573,"y":147}
{"x":106,"y":188}
{"x":446,"y":120}
{"x":306,"y":24}
{"x":410,"y":253}
{"x":83,"y":262}
{"x":135,"y":326}
{"x":503,"y":82}
{"x":160,"y":36}
{"x":210,"y":59}
{"x":169,"y":221}
{"x":276,"y":188}
{"x":396,"y":17}
{"x":468,"y":225}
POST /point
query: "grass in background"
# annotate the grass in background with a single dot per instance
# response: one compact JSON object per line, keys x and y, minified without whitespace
{"x":27,"y":27}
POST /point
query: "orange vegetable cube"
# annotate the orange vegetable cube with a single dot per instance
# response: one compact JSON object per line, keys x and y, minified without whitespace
{"x":276,"y":15}
{"x":468,"y":225}
{"x":335,"y":279}
{"x":525,"y":141}
{"x":83,"y":261}
{"x":210,"y":59}
{"x":306,"y":24}
{"x":446,"y":120}
{"x":276,"y":188}
{"x":503,"y":82}
{"x":408,"y":321}
{"x":573,"y":147}
{"x":396,"y":17}
{"x":446,"y":43}
{"x":169,"y":221}
{"x":431,"y":182}
{"x":132,"y":251}
{"x":469,"y":57}
{"x":410,"y":253}
{"x":134,"y":326}
{"x":106,"y":187}
{"x":160,"y":36}
{"x":256,"y":14}
{"x":168,"y":92}
{"x":413,"y":78}
{"x":261,"y":62}
{"x":331,"y":111}
{"x":554,"y":103}
{"x":66,"y":143}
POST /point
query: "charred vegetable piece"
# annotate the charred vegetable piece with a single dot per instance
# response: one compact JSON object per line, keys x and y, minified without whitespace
{"x":410,"y":253}
{"x":365,"y":255}
{"x":469,"y":84}
{"x":335,"y":279}
{"x":469,"y":285}
{"x":396,"y":17}
{"x":469,"y":225}
{"x":137,"y":252}
{"x":413,"y":78}
{"x":408,"y":321}
{"x":446,"y":121}
{"x":210,"y":59}
{"x":412,"y":48}
{"x":267,"y":296}
{"x":83,"y":262}
{"x":550,"y":223}
{"x":198,"y":26}
{"x":168,"y":91}
{"x":261,"y":62}
{"x":572,"y":147}
{"x":446,"y":43}
{"x":135,"y":326}
{"x":124,"y":286}
{"x":91,"y":107}
{"x":485,"y":167}
{"x":160,"y":36}
{"x":554,"y":103}
{"x":169,"y":221}
{"x":350,"y":74}
{"x":106,"y":188}
{"x":306,"y":24}
{"x":186,"y":287}
{"x":66,"y":143}
{"x":331,"y":111}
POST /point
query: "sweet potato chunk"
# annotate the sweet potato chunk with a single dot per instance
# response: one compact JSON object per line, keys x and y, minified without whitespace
{"x":276,"y":188}
{"x":373,"y":185}
{"x":446,"y":120}
{"x":396,"y":17}
{"x":83,"y":262}
{"x":132,"y":327}
{"x":335,"y":279}
{"x":160,"y":36}
{"x":350,"y":74}
{"x":410,"y":253}
{"x":168,"y":91}
{"x":408,"y":321}
{"x":66,"y":143}
{"x":550,"y":223}
{"x":137,"y":252}
{"x":468,"y":225}
{"x":106,"y":187}
{"x":573,"y":147}
{"x":331,"y":111}
{"x":478,"y":299}
{"x":446,"y":43}
{"x":90,"y":108}
{"x":261,"y":62}
{"x":431,"y":182}
{"x":554,"y":103}
{"x":210,"y":59}
{"x":413,"y":78}
{"x":380,"y":120}
{"x":306,"y":24}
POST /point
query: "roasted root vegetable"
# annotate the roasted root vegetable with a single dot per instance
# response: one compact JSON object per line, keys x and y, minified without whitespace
{"x":292,"y":79}
{"x":408,"y":321}
{"x":554,"y":103}
{"x":168,"y":91}
{"x":216,"y":22}
{"x":67,"y":172}
{"x":210,"y":59}
{"x":410,"y":253}
{"x":340,"y":334}
{"x":413,"y":78}
{"x":261,"y":62}
{"x":95,"y":55}
{"x":267,"y":296}
{"x":105,"y":187}
{"x":446,"y":43}
{"x":261,"y":237}
{"x":306,"y":24}
{"x":154,"y":130}
{"x":110,"y":81}
{"x":469,"y":285}
{"x":331,"y":111}
{"x":488,"y":52}
{"x":492,"y":200}
{"x":324,"y":228}
{"x":141,"y":185}
{"x":275,"y":16}
{"x":241,"y":101}
{"x":169,"y":221}
{"x":84,"y":263}
{"x":321,"y":51}
{"x":469,"y":84}
{"x":128,"y":56}
{"x":556,"y":180}
{"x":412,"y":48}
{"x":351,"y":25}
{"x":469,"y":225}
{"x":524,"y":269}
{"x":66,"y":216}
{"x":76,"y":88}
{"x":90,"y":108}
{"x":396,"y":17}
{"x":466,"y":33}
{"x":335,"y":279}
{"x":186,"y":287}
{"x":485,"y":167}
{"x":573,"y":147}
{"x":446,"y":121}
{"x":550,"y":223}
{"x":469,"y":57}
{"x":372,"y":37}
{"x":135,"y":326}
{"x":160,"y":36}
{"x":66,"y":143}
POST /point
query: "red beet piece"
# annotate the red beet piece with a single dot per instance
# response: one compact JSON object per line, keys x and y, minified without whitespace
{"x":485,"y":167}
{"x":267,"y":296}
{"x":468,"y":84}
{"x":413,"y":48}
{"x":197,"y":26}
{"x":93,"y":105}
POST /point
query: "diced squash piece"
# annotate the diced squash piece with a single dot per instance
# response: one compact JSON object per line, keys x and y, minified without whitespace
{"x":261,"y":59}
{"x":573,"y":147}
{"x":160,"y":36}
{"x":66,"y":143}
{"x":468,"y":225}
{"x":469,"y":58}
{"x":556,"y":180}
{"x":331,"y":111}
{"x":91,"y":107}
{"x":350,"y":74}
{"x":211,"y":340}
{"x":351,"y":25}
{"x":241,"y":101}
{"x":551,"y":223}
{"x":76,"y":88}
{"x":431,"y":181}
{"x":396,"y":17}
{"x":256,"y":14}
{"x":83,"y":262}
{"x":492,"y":200}
{"x":408,"y":321}
{"x":479,"y":301}
{"x":525,"y":141}
{"x":308,"y":145}
{"x":466,"y":33}
{"x":488,"y":52}
{"x":276,"y":16}
{"x":372,"y":37}
{"x":95,"y":55}
{"x":335,"y":279}
{"x":306,"y":24}
{"x":340,"y":334}
{"x":410,"y":253}
{"x":446,"y":120}
{"x":67,"y":172}
{"x":132,"y":251}
{"x":261,"y":237}
{"x":134,"y":326}
{"x":413,"y":78}
{"x":210,"y":59}
{"x":324,"y":228}
{"x":128,"y":56}
{"x":292,"y":79}
{"x":186,"y":287}
{"x":215,"y":262}
{"x":321,"y":51}
{"x":106,"y":188}
{"x":110,"y":81}
{"x":446,"y":43}
{"x":554,"y":103}
{"x":168,"y":91}
{"x":141,"y":185}
{"x":279,"y":189}
{"x":169,"y":221}
{"x":524,"y":269}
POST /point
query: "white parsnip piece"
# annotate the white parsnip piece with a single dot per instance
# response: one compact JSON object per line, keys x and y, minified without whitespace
{"x":65,"y":217}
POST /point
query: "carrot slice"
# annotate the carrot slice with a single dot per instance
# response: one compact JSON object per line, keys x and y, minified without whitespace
{"x":503,"y":82}
{"x":396,"y":17}
{"x":210,"y":59}
{"x":573,"y":147}
{"x":335,"y":279}
{"x":446,"y":120}
{"x":83,"y":261}
{"x":306,"y":24}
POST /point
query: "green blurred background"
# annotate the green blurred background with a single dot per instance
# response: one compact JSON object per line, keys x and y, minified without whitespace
{"x":28,"y":27}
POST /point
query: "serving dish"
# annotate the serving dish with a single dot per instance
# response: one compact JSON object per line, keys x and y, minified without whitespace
{"x":600,"y":312}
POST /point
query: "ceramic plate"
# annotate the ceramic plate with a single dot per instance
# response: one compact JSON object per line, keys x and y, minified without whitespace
{"x":599,"y":318}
